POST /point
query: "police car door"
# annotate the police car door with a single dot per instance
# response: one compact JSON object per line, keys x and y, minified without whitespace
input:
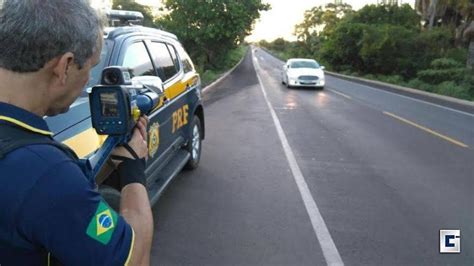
{"x":136,"y":57}
{"x":165,"y":58}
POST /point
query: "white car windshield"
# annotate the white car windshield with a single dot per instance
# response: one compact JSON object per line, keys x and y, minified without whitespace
{"x":304,"y":64}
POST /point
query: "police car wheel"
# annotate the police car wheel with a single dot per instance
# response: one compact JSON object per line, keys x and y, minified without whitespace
{"x":111,"y":196}
{"x":194,"y":144}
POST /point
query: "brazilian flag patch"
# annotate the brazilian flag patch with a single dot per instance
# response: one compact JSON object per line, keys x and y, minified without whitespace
{"x":102,"y":224}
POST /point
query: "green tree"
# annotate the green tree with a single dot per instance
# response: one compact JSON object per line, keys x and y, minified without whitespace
{"x":130,"y":5}
{"x":210,"y":28}
{"x":403,"y":16}
{"x":454,"y":13}
{"x":378,"y":39}
{"x":319,"y":23}
{"x":342,"y":47}
{"x":469,"y":36}
{"x":319,"y":19}
{"x":279,"y":44}
{"x":333,"y":14}
{"x":309,"y":27}
{"x":388,"y":49}
{"x":450,"y":12}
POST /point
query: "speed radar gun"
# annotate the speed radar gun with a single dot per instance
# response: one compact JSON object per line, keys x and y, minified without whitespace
{"x":116,"y":105}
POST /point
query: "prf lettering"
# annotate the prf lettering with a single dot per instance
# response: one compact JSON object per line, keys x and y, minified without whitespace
{"x":180,"y":117}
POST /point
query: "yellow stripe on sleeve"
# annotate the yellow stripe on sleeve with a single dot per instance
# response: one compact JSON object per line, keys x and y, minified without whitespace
{"x":26,"y":126}
{"x":131,"y":248}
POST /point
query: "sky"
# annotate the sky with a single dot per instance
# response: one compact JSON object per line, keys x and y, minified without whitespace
{"x":280,"y":21}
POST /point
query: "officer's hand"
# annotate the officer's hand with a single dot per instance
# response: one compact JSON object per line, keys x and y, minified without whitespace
{"x":138,"y":142}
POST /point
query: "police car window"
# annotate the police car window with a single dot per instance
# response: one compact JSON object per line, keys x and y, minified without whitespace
{"x":185,"y":60}
{"x":174,"y":57}
{"x":163,"y":60}
{"x":138,"y":61}
{"x":188,"y":67}
{"x":96,"y":71}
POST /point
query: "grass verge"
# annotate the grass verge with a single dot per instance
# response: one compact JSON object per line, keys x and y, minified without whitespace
{"x":233,"y":57}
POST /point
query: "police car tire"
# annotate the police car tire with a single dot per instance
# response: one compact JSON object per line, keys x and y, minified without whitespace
{"x":193,"y":163}
{"x":111,"y":196}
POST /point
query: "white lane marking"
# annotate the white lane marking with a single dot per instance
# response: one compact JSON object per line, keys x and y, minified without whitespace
{"x":340,"y":93}
{"x":330,"y":252}
{"x":410,"y":98}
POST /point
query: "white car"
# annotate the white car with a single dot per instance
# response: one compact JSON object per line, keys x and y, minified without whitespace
{"x":299,"y":72}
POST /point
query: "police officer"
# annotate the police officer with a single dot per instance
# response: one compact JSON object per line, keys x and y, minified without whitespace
{"x":48,"y":209}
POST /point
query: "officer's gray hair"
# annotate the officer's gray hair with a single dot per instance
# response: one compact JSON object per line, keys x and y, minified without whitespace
{"x":32,"y":32}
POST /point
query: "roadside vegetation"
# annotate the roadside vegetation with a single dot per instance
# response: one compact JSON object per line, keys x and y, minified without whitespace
{"x":212,"y":32}
{"x":233,"y":57}
{"x":430,"y":48}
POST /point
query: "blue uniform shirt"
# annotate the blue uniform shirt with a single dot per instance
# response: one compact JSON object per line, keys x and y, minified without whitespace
{"x":49,"y":208}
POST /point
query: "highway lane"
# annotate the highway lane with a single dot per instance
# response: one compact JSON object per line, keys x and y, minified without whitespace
{"x":412,"y":182}
{"x":239,"y":207}
{"x":383,"y":187}
{"x":457,"y":124}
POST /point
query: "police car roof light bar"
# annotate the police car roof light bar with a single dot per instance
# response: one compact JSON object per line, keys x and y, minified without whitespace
{"x":124,"y":17}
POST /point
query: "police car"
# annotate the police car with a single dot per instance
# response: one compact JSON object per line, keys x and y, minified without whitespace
{"x":176,"y":126}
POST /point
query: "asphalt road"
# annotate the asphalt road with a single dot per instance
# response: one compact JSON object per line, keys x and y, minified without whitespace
{"x":350,"y":174}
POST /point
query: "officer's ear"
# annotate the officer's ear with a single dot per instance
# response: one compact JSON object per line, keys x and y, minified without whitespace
{"x":62,"y":66}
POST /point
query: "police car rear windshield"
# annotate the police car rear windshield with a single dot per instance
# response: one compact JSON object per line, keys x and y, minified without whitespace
{"x":304,"y":64}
